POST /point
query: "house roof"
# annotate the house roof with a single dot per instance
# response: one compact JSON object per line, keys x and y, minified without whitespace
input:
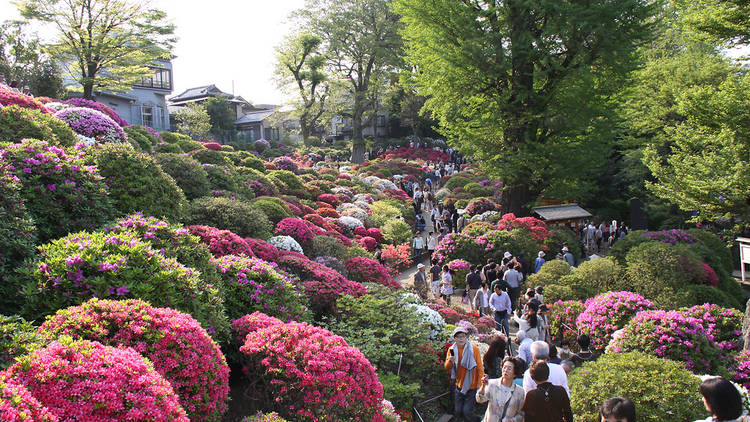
{"x":254,"y":117}
{"x":199,"y":92}
{"x":561,"y":212}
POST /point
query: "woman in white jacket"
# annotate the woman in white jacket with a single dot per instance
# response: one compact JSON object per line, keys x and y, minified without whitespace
{"x":504,"y":396}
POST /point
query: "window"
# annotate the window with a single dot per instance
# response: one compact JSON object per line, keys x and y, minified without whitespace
{"x":162,"y":79}
{"x":381,"y":121}
{"x":147,"y":113}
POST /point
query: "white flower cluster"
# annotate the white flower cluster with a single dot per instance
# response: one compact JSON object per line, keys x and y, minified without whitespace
{"x":409,"y":297}
{"x":357,"y":213}
{"x":85,"y":139}
{"x":342,"y":189}
{"x":429,"y":317}
{"x":351,"y":222}
{"x":361,"y":197}
{"x":57,"y":106}
{"x":389,"y":412}
{"x":485,"y":216}
{"x":441,"y":194}
{"x":377,"y":183}
{"x":285,"y":243}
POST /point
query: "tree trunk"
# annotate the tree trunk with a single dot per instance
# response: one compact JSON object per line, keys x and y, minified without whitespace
{"x":88,"y":91}
{"x":746,"y":328}
{"x":358,"y":142}
{"x":515,"y":199}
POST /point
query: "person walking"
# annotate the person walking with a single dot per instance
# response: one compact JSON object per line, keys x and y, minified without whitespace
{"x":420,"y":282}
{"x":464,"y":362}
{"x":539,"y":261}
{"x":482,"y":300}
{"x":446,"y":287}
{"x":505,"y":397}
{"x":568,"y":257}
{"x":501,"y":307}
{"x":435,"y":281}
{"x":557,"y":375}
{"x":514,"y":279}
{"x":473,"y":284}
{"x":546,"y":402}
{"x":431,"y":244}
{"x":417,"y":245}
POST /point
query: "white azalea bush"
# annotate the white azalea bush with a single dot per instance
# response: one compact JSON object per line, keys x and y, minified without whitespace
{"x":429,"y":317}
{"x":351,"y":222}
{"x":286,"y":243}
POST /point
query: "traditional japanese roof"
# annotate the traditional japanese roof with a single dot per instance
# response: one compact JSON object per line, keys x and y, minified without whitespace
{"x":561,"y":212}
{"x":199,"y":92}
{"x":255,"y":117}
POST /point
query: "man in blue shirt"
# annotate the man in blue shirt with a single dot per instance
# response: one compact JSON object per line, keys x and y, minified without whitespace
{"x":500,"y":306}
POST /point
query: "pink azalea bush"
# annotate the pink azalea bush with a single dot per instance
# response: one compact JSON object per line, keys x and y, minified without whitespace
{"x":607,"y":313}
{"x":299,"y":229}
{"x":9,"y":97}
{"x":92,"y":124}
{"x":251,"y":284}
{"x":82,"y":102}
{"x":221,"y":242}
{"x":18,"y":405}
{"x":84,"y":380}
{"x":322,"y":285}
{"x":245,"y":325}
{"x":671,"y":335}
{"x":308,"y":373}
{"x":368,"y":243}
{"x":461,"y":268}
{"x":740,"y":369}
{"x":286,"y":163}
{"x":168,"y":338}
{"x":364,"y":270}
{"x":459,"y":246}
{"x":672,"y":236}
{"x":329,"y":199}
{"x":561,"y":317}
{"x":480,"y":205}
{"x":397,"y":258}
{"x":376,"y":234}
{"x":213,"y":146}
{"x":723,"y":324}
{"x":262,"y":249}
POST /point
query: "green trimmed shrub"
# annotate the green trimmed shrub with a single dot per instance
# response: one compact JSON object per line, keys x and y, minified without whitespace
{"x":274,"y":208}
{"x":227,"y":148}
{"x":253,"y":162}
{"x":246,"y":175}
{"x":18,"y":337}
{"x":173,"y":137}
{"x":221,"y":177}
{"x":595,"y":277}
{"x":189,"y":174}
{"x":356,"y":251}
{"x":166,"y":148}
{"x":382,"y":212}
{"x":396,"y":232}
{"x":550,"y":273}
{"x":137,"y":183}
{"x":457,"y":181}
{"x":190,"y":146}
{"x":140,"y":138}
{"x":237,"y":216}
{"x":661,"y":390}
{"x":17,"y":123}
{"x":209,"y":156}
{"x":620,"y":249}
{"x":292,"y":182}
{"x":327,"y":246}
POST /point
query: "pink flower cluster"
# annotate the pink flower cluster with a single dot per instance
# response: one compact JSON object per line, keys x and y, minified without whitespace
{"x":724,"y":324}
{"x":417,"y":154}
{"x":9,"y":97}
{"x":302,"y":231}
{"x":397,"y":258}
{"x":329,"y":198}
{"x":368,"y":242}
{"x":213,"y":146}
{"x":536,"y":227}
{"x":607,"y":313}
{"x":221,"y":242}
{"x":82,"y":102}
{"x":670,"y":236}
{"x":286,"y":163}
{"x":741,"y":368}
{"x":262,"y":249}
{"x":363,"y":270}
{"x":308,"y":373}
{"x":179,"y":348}
{"x":480,"y":205}
{"x":83,"y":380}
{"x":93,"y":124}
{"x":18,"y":405}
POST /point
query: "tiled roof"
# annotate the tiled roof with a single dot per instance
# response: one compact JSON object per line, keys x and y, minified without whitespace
{"x":561,"y":212}
{"x":198,"y":92}
{"x":258,"y":116}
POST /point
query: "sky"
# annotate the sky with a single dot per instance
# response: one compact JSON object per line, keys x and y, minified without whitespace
{"x":221,"y":41}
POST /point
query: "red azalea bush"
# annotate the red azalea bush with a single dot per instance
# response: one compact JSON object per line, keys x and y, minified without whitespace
{"x":536,"y":227}
{"x":167,"y":337}
{"x":327,"y":212}
{"x":364,"y":270}
{"x":262,"y":249}
{"x":368,"y":243}
{"x":607,"y":313}
{"x":10,"y":97}
{"x":376,"y":234}
{"x":709,"y":275}
{"x":322,"y":285}
{"x":213,"y":146}
{"x":309,"y":373}
{"x":318,"y":220}
{"x":329,"y":198}
{"x":87,"y":381}
{"x":397,"y":257}
{"x":360,"y":231}
{"x":397,"y":194}
{"x":82,"y":102}
{"x":18,"y":405}
{"x":221,"y":242}
{"x":449,"y":315}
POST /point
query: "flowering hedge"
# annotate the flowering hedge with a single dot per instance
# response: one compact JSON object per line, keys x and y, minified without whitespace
{"x":322,"y":285}
{"x":723,"y":324}
{"x":309,"y":373}
{"x":52,"y":175}
{"x":165,"y":336}
{"x":264,"y":417}
{"x":329,"y":198}
{"x":364,"y":270}
{"x":83,"y":380}
{"x":18,"y":405}
{"x":9,"y":97}
{"x":670,"y":236}
{"x":82,"y":102}
{"x":251,"y":284}
{"x":607,"y":313}
{"x":92,"y":124}
{"x":671,"y":335}
{"x":221,"y":242}
{"x":83,"y":265}
{"x":18,"y":123}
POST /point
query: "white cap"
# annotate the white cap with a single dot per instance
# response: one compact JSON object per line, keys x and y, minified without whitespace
{"x":419,"y":266}
{"x":459,"y":330}
{"x":507,"y":254}
{"x":565,"y":249}
{"x":541,"y":254}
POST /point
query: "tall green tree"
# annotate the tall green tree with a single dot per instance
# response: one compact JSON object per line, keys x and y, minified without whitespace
{"x":362,"y":42}
{"x":525,"y":85}
{"x":106,"y":44}
{"x":300,"y":69}
{"x":193,"y":120}
{"x":221,"y":117}
{"x":724,"y":21}
{"x":22,"y":59}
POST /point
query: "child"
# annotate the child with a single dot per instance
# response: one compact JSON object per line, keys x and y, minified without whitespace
{"x":539,"y":294}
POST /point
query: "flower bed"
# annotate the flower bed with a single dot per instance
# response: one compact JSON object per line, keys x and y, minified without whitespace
{"x":104,"y":382}
{"x":607,"y":313}
{"x":310,"y":373}
{"x":18,"y":405}
{"x":166,"y":337}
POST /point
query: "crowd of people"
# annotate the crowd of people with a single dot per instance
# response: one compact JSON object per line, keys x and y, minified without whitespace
{"x":15,"y":86}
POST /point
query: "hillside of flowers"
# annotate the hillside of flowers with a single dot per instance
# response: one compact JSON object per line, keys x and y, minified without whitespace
{"x":192,"y":281}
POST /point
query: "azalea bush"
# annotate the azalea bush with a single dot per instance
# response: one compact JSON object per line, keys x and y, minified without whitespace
{"x":262,"y":249}
{"x":18,"y":123}
{"x":607,"y":313}
{"x":740,"y":368}
{"x":286,"y":163}
{"x":264,"y":417}
{"x":189,"y":174}
{"x":397,"y":257}
{"x":9,"y":97}
{"x":671,"y":335}
{"x":143,"y":137}
{"x":18,"y":337}
{"x":480,"y":205}
{"x":165,"y":336}
{"x":534,"y":226}
{"x":83,"y":265}
{"x":308,"y":372}
{"x":90,"y":381}
{"x":237,"y":216}
{"x":723,"y":324}
{"x":285,"y":243}
{"x":369,"y":270}
{"x":459,"y":246}
{"x":221,"y":242}
{"x":274,"y":208}
{"x":82,"y":102}
{"x":661,"y":390}
{"x":251,"y":284}
{"x":461,"y":268}
{"x":561,"y":317}
{"x":17,"y":404}
{"x":396,"y":232}
{"x":52,"y":175}
{"x":92,"y":124}
{"x":300,"y":230}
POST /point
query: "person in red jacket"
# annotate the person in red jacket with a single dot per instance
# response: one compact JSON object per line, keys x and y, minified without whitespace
{"x":548,"y":402}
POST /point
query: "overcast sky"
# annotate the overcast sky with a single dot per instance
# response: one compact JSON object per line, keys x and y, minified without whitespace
{"x":221,"y":41}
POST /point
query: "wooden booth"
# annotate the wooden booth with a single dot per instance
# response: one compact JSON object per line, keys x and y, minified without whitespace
{"x":570,"y":215}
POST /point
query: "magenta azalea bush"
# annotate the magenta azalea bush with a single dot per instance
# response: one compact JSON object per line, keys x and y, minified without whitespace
{"x":309,"y":373}
{"x":461,"y":268}
{"x":84,"y":380}
{"x":95,"y":105}
{"x":670,"y":236}
{"x":740,"y":370}
{"x":322,"y":285}
{"x":251,"y":284}
{"x":297,"y":228}
{"x":221,"y":242}
{"x":252,"y":322}
{"x":286,"y":163}
{"x":18,"y":405}
{"x":480,"y":205}
{"x":92,"y":124}
{"x":10,"y":97}
{"x":606,"y":313}
{"x":671,"y":335}
{"x":60,"y":192}
{"x":366,"y":270}
{"x":561,"y":317}
{"x":168,"y":338}
{"x":262,"y":249}
{"x":329,"y":198}
{"x":723,"y":324}
{"x":459,"y":246}
{"x":84,"y":265}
